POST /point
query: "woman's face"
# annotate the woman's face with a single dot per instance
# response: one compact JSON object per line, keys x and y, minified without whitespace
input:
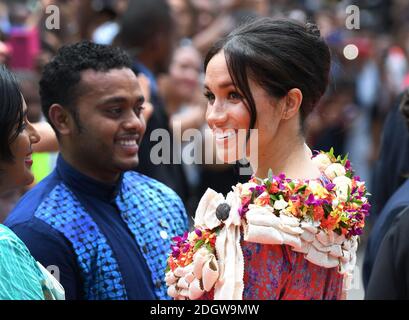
{"x":184,"y":72}
{"x":229,"y":117}
{"x":17,"y":172}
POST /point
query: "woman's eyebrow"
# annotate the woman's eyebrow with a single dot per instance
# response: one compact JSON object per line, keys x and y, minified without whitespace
{"x":221,"y":85}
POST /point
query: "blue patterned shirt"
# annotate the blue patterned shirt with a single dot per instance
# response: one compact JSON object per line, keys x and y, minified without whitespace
{"x":105,"y":241}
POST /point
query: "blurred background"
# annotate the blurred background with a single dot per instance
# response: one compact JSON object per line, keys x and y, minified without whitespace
{"x":369,"y":69}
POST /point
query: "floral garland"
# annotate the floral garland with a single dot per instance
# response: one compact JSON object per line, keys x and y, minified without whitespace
{"x":337,"y":202}
{"x":192,"y":266}
{"x":186,"y":246}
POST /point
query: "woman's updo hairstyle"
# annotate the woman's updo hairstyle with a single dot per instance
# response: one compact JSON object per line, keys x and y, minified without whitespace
{"x":279,"y":55}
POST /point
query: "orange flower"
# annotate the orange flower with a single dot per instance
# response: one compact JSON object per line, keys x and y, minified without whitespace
{"x":318,"y":213}
{"x":263,"y":199}
{"x":172,"y":263}
{"x":294,"y":207}
{"x":329,"y":223}
{"x":273,"y":189}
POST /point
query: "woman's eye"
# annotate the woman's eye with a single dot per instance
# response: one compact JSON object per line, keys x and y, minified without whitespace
{"x":234,"y":96}
{"x":23,"y":126}
{"x":209,"y":96}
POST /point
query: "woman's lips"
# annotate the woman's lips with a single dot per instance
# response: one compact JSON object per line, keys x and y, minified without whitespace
{"x":223,"y":136}
{"x":28,"y":161}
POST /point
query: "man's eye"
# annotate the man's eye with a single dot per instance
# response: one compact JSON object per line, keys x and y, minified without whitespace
{"x":138,"y":110}
{"x":115,"y":111}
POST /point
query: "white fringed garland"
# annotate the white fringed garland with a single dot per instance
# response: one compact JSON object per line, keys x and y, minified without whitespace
{"x":225,"y":273}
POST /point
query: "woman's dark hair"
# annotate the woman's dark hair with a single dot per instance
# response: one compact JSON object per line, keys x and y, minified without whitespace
{"x":279,"y":55}
{"x":11,"y":112}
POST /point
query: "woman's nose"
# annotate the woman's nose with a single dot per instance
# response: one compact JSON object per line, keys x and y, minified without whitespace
{"x":216,"y":115}
{"x":33,"y":134}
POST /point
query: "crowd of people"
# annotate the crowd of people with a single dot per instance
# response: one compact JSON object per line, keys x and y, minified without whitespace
{"x":82,"y":103}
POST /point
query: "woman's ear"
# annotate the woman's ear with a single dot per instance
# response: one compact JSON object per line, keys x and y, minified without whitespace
{"x":293,"y":102}
{"x":60,"y":118}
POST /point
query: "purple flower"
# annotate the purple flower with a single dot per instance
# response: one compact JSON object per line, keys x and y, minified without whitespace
{"x":294,"y":198}
{"x":179,"y":239}
{"x":366,"y":206}
{"x":311,"y":200}
{"x":348,"y":165}
{"x":330,"y":186}
{"x":242,"y":211}
{"x":260,"y":189}
{"x":325,"y":201}
{"x":175,"y":252}
{"x":355,"y":232}
{"x":359,"y":216}
{"x":198,"y":232}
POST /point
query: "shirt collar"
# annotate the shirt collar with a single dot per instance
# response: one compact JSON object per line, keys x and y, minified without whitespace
{"x":85,"y":184}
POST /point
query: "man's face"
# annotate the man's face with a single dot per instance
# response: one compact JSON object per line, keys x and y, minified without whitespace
{"x":111,"y":123}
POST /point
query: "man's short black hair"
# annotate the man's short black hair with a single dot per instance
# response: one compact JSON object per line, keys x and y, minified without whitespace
{"x":61,"y":76}
{"x":11,"y":112}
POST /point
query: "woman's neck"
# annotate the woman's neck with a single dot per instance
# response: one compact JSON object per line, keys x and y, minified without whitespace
{"x":290,"y":156}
